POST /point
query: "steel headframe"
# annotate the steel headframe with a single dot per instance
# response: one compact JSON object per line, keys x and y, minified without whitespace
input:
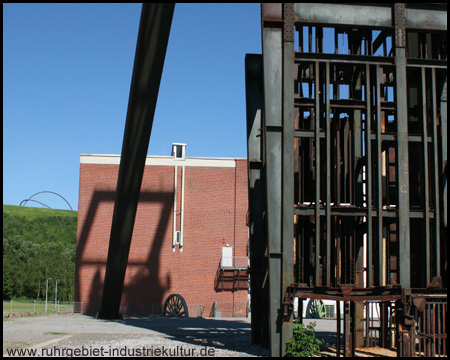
{"x":348,"y":191}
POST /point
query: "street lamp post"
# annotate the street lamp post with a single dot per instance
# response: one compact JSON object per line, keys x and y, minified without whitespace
{"x":56,"y":294}
{"x":46,"y":293}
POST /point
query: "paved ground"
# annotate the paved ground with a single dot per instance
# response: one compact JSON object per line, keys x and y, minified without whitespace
{"x":65,"y":335}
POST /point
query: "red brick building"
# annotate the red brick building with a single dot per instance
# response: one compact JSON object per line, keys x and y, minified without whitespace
{"x":189,"y":209}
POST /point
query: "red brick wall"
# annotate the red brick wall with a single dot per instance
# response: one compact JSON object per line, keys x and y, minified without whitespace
{"x":215,"y":211}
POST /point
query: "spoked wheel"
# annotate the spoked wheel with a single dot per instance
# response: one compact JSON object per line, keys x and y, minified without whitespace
{"x":175,"y":306}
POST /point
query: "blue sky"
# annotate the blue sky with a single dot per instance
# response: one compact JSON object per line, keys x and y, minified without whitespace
{"x":66,"y":78}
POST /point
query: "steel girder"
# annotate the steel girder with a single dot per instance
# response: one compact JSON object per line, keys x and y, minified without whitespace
{"x":154,"y":29}
{"x":278,"y":129}
{"x":259,"y":286}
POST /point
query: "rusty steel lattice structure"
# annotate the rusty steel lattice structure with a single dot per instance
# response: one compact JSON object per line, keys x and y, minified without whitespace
{"x":347,"y":150}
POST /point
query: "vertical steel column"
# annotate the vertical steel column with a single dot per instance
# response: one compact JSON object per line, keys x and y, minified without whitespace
{"x":381,"y":254}
{"x":154,"y":30}
{"x":278,"y":59}
{"x":369,"y":194}
{"x":318,"y":280}
{"x":425,"y":178}
{"x":443,"y":136}
{"x":338,"y":328}
{"x":384,"y":329}
{"x":358,"y":201}
{"x":273,"y":80}
{"x":437,"y":189}
{"x":288,"y":166}
{"x":258,"y":265}
{"x":402,"y":146}
{"x":349,"y":316}
{"x":328,"y":170}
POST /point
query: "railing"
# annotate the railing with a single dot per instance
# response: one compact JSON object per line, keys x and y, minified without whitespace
{"x":234,"y":262}
{"x":30,"y":307}
{"x":430,"y":333}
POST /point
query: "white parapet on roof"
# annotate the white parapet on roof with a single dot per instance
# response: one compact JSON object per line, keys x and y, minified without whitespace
{"x":107,"y":159}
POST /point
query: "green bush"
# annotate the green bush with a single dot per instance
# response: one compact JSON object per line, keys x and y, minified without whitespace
{"x":304,"y":342}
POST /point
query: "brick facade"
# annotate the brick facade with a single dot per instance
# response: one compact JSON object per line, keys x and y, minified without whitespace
{"x":215,"y":213}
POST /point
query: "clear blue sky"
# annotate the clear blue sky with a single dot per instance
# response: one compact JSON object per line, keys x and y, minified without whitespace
{"x":66,"y":78}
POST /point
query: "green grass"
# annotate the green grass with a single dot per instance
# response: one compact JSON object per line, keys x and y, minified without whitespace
{"x":33,"y":212}
{"x":19,"y":306}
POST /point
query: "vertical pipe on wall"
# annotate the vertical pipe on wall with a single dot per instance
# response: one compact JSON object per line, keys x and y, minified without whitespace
{"x":183,"y":173}
{"x":174,"y":234}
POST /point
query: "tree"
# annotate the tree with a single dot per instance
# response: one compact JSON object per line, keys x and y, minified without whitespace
{"x":37,"y":248}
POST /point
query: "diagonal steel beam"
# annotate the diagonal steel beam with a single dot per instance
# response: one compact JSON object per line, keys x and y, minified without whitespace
{"x":153,"y":36}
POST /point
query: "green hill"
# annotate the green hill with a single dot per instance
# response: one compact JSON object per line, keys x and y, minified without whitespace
{"x":33,"y":212}
{"x":38,"y":243}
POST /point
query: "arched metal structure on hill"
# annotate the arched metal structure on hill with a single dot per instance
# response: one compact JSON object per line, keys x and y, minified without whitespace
{"x":24,"y":202}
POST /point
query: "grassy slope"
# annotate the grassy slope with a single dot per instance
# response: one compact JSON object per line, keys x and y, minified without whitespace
{"x":33,"y":212}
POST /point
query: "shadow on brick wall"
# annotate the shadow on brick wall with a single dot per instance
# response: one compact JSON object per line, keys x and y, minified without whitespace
{"x":149,"y":288}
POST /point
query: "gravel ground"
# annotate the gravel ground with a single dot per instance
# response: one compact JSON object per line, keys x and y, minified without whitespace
{"x":156,"y":336}
{"x":73,"y":335}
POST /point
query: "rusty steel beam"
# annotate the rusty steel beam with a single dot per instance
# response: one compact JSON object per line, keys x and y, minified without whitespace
{"x":287,"y":167}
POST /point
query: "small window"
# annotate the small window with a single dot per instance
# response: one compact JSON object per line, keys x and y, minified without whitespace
{"x":177,"y":237}
{"x":178,"y":151}
{"x":330,"y":311}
